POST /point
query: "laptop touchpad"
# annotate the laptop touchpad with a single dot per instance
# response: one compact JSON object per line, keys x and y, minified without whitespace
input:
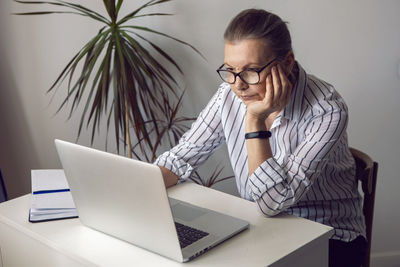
{"x":186,"y":213}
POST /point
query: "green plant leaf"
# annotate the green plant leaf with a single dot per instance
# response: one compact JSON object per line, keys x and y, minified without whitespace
{"x":110,"y":7}
{"x":46,"y":13}
{"x":83,"y":10}
{"x":118,"y":7}
{"x":132,"y":14}
{"x":69,"y":69}
{"x":86,"y":52}
{"x":157,"y":70}
{"x":161,"y":52}
{"x":98,"y":104}
{"x":165,"y":35}
{"x":152,"y":14}
{"x":212,"y":180}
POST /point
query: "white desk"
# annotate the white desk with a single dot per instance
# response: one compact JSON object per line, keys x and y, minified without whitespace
{"x":278,"y":241}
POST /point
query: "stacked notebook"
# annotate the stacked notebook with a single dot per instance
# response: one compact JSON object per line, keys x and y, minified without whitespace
{"x":51,"y":197}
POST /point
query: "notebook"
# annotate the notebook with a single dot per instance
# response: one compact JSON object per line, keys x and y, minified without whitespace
{"x":127,"y":199}
{"x":51,"y":198}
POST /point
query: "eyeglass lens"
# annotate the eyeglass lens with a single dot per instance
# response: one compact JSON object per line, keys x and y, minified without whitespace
{"x":248,"y":76}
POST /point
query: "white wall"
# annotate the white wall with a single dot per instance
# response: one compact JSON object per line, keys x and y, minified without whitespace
{"x":352,"y":44}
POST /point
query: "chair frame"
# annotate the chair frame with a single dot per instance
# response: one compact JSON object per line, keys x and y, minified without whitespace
{"x":3,"y":187}
{"x":366,"y":173}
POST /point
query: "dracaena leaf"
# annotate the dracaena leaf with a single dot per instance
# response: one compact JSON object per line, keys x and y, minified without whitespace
{"x":110,"y":7}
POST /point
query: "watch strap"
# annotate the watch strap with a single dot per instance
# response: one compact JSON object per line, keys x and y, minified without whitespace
{"x":259,"y":134}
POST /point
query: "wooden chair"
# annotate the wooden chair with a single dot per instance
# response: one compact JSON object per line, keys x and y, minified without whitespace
{"x":366,"y":173}
{"x":3,"y":191}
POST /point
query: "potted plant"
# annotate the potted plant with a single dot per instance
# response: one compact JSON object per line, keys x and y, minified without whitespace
{"x":124,"y":82}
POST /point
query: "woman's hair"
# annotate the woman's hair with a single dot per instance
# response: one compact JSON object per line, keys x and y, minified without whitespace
{"x":260,"y":24}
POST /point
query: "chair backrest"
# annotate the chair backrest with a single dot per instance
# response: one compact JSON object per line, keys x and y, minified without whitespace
{"x":3,"y":191}
{"x":366,"y":173}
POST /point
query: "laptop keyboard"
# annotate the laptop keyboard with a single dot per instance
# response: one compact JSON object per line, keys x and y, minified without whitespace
{"x":188,"y":235}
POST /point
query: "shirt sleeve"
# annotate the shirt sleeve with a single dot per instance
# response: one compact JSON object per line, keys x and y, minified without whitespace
{"x":275,"y":187}
{"x":197,"y":144}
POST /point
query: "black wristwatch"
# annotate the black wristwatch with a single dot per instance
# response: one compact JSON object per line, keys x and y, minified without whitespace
{"x":259,"y":134}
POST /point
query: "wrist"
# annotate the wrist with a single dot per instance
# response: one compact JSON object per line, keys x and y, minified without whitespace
{"x":257,"y":135}
{"x":255,"y":124}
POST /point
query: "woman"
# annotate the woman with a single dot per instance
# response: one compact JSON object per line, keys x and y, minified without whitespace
{"x":285,"y":131}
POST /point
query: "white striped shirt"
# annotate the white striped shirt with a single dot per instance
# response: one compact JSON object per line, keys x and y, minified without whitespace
{"x":311,"y":173}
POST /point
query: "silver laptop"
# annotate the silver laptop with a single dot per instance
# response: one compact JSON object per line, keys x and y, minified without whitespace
{"x":127,"y":199}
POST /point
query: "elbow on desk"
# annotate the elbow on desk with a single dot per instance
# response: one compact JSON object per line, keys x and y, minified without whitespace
{"x":268,"y":211}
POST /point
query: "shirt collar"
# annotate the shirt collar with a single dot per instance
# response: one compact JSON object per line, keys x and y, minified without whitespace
{"x":292,"y":111}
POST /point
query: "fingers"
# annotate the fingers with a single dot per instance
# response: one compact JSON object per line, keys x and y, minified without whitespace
{"x":282,"y":87}
{"x":286,"y":84}
{"x":278,"y":91}
{"x":269,"y":94}
{"x":277,"y":83}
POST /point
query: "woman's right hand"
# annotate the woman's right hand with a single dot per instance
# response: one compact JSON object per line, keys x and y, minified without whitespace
{"x":277,"y":95}
{"x":170,"y":178}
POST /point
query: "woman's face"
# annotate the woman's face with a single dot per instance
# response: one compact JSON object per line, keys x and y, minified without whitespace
{"x":248,"y":54}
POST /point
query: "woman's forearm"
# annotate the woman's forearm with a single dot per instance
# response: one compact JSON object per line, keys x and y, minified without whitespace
{"x":258,"y":149}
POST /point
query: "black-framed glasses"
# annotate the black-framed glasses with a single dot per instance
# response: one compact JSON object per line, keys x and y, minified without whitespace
{"x":248,"y":76}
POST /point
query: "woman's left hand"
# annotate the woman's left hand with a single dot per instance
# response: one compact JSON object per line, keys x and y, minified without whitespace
{"x":277,"y":95}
